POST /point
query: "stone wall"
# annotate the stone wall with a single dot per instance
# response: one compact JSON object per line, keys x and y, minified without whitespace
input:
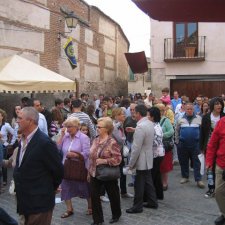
{"x":31,"y":29}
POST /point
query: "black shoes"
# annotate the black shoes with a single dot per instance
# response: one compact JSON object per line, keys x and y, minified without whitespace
{"x":132,"y":210}
{"x":146,"y":205}
{"x":210,"y":193}
{"x":114,"y":220}
{"x":220,"y":220}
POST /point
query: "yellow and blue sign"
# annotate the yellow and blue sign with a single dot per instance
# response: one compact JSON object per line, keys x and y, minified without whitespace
{"x":69,"y":50}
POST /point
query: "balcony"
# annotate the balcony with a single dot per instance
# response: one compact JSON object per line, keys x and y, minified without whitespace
{"x":181,"y":50}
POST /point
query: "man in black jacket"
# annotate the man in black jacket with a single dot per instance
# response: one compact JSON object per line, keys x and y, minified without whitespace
{"x":38,"y":171}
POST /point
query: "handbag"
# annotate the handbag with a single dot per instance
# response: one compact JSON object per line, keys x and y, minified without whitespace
{"x":106,"y":172}
{"x":74,"y":168}
{"x":168,"y":143}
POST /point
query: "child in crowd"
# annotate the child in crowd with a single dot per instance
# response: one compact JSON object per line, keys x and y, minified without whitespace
{"x":84,"y":129}
{"x":165,"y":96}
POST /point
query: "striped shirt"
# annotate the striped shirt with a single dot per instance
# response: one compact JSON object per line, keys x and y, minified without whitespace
{"x":84,"y":118}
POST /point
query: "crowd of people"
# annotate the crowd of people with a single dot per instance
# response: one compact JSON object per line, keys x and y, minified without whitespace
{"x":159,"y":133}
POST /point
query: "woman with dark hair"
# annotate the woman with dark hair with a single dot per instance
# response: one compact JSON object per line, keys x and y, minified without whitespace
{"x":14,"y":123}
{"x":158,"y":151}
{"x":16,"y":111}
{"x":209,"y":122}
{"x":204,"y":108}
{"x":91,"y":113}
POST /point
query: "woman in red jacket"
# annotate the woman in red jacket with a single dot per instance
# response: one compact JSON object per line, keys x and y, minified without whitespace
{"x":216,"y":153}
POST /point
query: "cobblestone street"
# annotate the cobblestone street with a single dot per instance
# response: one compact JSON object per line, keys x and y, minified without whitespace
{"x":183,"y":205}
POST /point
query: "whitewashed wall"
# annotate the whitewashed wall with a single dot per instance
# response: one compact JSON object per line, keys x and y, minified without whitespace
{"x":215,"y":48}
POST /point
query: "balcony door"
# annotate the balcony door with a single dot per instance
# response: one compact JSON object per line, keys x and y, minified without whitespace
{"x":185,"y":39}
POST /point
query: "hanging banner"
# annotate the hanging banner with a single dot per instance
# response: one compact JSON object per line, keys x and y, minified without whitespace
{"x":137,"y":62}
{"x":69,"y":50}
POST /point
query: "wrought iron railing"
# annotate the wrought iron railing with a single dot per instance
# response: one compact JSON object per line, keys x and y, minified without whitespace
{"x":181,"y":49}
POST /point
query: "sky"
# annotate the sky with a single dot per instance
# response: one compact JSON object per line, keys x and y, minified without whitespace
{"x":135,"y":24}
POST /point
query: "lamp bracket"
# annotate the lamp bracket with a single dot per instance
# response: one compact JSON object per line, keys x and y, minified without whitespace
{"x":63,"y":34}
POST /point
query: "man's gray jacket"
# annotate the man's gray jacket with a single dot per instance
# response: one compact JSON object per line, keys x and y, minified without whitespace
{"x":142,"y":153}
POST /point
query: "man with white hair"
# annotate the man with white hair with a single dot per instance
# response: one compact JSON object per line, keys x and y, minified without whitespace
{"x":187,"y":139}
{"x":38,"y":171}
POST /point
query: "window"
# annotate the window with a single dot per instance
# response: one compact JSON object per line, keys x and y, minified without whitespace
{"x":148,"y":76}
{"x":131,"y":75}
{"x":185,"y":37}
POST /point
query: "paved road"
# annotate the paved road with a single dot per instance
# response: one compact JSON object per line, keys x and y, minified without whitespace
{"x":183,"y":205}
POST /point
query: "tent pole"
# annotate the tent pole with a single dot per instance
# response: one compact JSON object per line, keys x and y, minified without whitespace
{"x":77,"y":88}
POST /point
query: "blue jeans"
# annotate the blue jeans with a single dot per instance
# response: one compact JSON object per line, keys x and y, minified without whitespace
{"x":184,"y":154}
{"x":6,"y":219}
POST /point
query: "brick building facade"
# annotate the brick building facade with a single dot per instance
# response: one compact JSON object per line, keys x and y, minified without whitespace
{"x":31,"y":29}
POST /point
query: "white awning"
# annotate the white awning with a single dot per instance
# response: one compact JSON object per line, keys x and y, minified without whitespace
{"x":18,"y":74}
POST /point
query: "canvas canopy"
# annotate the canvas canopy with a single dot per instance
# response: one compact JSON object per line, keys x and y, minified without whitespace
{"x":18,"y":74}
{"x":184,"y":10}
{"x":137,"y":62}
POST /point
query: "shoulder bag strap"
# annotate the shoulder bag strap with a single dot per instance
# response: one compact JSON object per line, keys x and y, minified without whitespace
{"x":100,"y":152}
{"x":161,"y":123}
{"x":70,"y":146}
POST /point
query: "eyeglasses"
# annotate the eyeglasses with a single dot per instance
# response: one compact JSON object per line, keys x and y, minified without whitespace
{"x":99,"y":127}
{"x":68,"y":127}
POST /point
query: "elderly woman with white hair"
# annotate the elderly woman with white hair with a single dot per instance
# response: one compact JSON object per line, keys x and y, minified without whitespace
{"x":72,"y":143}
{"x":104,"y":151}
